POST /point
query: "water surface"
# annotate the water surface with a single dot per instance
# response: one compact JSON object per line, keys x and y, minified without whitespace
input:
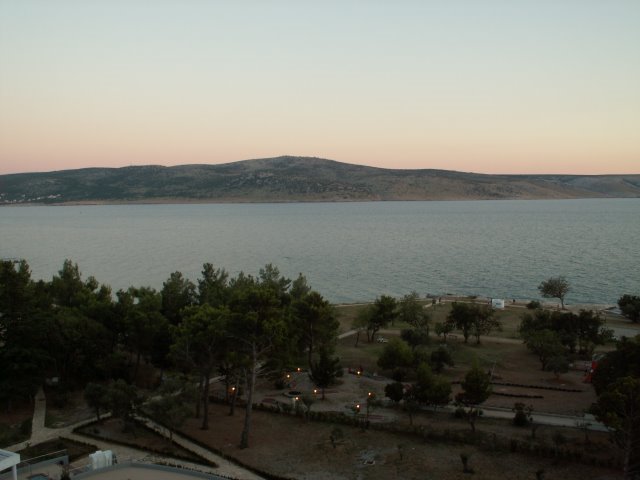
{"x":349,"y":251}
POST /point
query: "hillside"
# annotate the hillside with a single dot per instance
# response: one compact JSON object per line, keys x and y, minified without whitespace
{"x":293,"y":179}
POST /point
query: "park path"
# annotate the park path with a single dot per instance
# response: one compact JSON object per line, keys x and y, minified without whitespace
{"x":40,"y":433}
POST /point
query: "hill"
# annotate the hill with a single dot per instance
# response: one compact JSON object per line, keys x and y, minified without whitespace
{"x":296,"y":179}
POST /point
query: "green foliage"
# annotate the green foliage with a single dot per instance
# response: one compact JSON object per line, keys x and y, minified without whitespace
{"x":545,"y":344}
{"x":315,"y":323}
{"x":177,"y":294}
{"x":476,"y":386}
{"x":558,"y":364}
{"x":396,"y":354}
{"x":123,"y":399}
{"x":582,"y":331}
{"x":430,"y":389}
{"x":412,"y":312}
{"x":461,"y":317}
{"x":619,"y":409}
{"x":443,"y":329}
{"x":382,"y":314}
{"x":201,"y":345}
{"x":439,"y":358}
{"x":213,"y":286}
{"x":394,"y":391}
{"x":415,"y":337}
{"x":522,"y":417}
{"x":534,"y":305}
{"x":624,"y":361}
{"x":555,"y":287}
{"x":169,"y":404}
{"x":144,"y":324}
{"x":476,"y":389}
{"x":630,"y":307}
{"x":324,"y":371}
{"x":472,"y":319}
{"x":96,"y":396}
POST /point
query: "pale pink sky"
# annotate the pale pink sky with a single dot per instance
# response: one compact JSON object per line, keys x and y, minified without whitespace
{"x":493,"y":87}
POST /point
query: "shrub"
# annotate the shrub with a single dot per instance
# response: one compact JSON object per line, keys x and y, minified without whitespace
{"x":534,"y":305}
{"x":522,"y":416}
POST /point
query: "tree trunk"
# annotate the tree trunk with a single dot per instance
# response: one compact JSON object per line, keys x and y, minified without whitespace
{"x":251,"y":381}
{"x":472,"y":417}
{"x":205,"y":402}
{"x":310,"y":349}
{"x":199,"y":398}
{"x":135,"y":371}
{"x":357,"y":338}
{"x":234,"y":396}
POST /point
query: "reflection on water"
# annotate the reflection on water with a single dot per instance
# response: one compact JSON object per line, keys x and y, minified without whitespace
{"x":348,"y":251}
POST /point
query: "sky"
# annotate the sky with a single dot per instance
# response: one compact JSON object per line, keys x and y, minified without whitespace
{"x":491,"y":86}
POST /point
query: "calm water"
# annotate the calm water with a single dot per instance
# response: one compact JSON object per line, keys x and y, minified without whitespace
{"x":349,"y":251}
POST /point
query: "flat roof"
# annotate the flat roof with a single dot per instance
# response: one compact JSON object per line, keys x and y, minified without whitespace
{"x":8,"y":459}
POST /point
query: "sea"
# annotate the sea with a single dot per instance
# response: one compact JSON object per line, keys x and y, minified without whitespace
{"x":349,"y":252}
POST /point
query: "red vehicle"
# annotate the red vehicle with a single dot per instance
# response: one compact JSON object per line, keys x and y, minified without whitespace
{"x":594,"y":364}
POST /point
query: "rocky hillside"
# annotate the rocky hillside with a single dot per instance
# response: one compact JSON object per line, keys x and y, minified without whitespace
{"x":291,"y":179}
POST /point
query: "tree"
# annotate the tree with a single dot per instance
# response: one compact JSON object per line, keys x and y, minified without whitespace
{"x":123,"y":400}
{"x":324,"y":371}
{"x":213,"y":286}
{"x":443,"y":329}
{"x":557,"y":364}
{"x":619,"y":409}
{"x":430,"y":389}
{"x":362,"y":322}
{"x":624,"y":361}
{"x":95,"y":394}
{"x":555,"y":287}
{"x":483,"y":322}
{"x":590,"y":331}
{"x":177,"y":293}
{"x":476,"y":388}
{"x":315,"y":323}
{"x":415,"y":337}
{"x":630,"y":307}
{"x":583,"y":330}
{"x":411,"y":311}
{"x":439,"y":358}
{"x":201,"y":340}
{"x":394,"y":391}
{"x":169,"y":405}
{"x":397,"y":355}
{"x":545,"y":344}
{"x":141,"y":310}
{"x":24,"y":333}
{"x":462,"y":316}
{"x":257,"y":326}
{"x":382,"y":314}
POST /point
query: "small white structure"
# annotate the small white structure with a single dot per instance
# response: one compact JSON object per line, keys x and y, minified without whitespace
{"x":497,"y":303}
{"x":100,"y":459}
{"x":9,"y":460}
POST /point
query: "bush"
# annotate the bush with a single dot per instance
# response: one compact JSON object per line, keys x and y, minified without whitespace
{"x":522,"y":416}
{"x":534,"y":305}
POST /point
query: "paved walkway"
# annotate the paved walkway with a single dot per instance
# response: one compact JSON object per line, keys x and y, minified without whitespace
{"x":40,"y":433}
